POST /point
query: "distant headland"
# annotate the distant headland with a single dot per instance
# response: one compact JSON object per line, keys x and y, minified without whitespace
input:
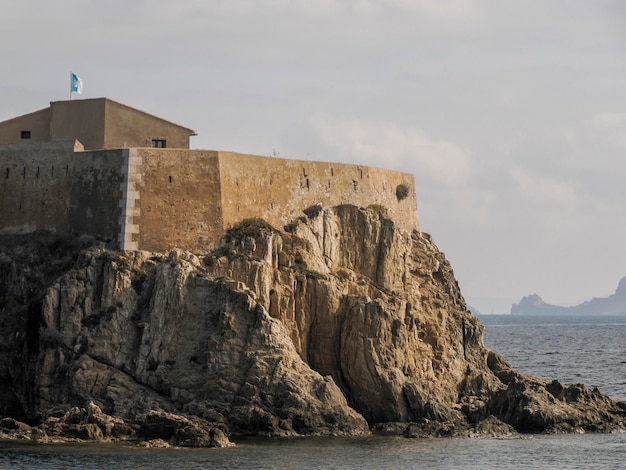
{"x":614,"y":304}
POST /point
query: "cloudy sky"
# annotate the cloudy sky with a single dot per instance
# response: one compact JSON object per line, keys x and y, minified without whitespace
{"x":510,"y":114}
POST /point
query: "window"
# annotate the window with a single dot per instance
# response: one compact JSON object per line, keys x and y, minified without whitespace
{"x":158,"y":143}
{"x":25,"y":134}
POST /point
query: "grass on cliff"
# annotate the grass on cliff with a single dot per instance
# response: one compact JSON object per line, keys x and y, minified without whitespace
{"x":382,"y":210}
{"x":312,"y":274}
{"x":248,"y":228}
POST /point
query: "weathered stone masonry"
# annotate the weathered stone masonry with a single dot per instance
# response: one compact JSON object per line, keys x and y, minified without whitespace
{"x":157,"y":199}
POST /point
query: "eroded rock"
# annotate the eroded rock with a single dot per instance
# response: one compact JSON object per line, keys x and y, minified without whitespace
{"x":339,"y":321}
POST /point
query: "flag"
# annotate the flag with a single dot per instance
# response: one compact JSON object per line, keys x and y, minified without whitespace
{"x":77,"y":84}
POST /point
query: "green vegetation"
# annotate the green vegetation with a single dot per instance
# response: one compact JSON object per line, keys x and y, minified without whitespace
{"x":313,"y":211}
{"x":312,"y":274}
{"x":248,"y":228}
{"x":402,"y":191}
{"x":382,"y":210}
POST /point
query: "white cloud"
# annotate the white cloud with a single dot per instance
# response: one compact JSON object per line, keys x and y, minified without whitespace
{"x":613,"y":125}
{"x":441,"y":8}
{"x":392,"y":145}
{"x":610,"y":119}
{"x":544,"y":190}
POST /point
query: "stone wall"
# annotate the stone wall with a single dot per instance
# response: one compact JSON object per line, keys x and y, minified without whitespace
{"x":96,"y":204}
{"x":178,"y":199}
{"x":278,"y":190}
{"x":159,"y":199}
{"x":58,"y":187}
{"x":35,"y":186}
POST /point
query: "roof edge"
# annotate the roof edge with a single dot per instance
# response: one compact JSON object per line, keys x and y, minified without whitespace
{"x":118,"y":103}
{"x":26,"y":115}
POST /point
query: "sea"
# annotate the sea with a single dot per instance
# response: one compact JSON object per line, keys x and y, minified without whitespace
{"x":574,"y":349}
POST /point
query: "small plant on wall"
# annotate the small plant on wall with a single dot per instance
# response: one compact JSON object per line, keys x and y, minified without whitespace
{"x":382,"y":210}
{"x":402,"y":191}
{"x":248,"y":228}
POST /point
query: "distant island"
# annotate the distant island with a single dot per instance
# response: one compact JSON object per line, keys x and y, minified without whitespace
{"x":614,"y":304}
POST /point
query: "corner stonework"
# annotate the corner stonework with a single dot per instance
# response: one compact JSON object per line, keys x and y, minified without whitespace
{"x":131,"y":172}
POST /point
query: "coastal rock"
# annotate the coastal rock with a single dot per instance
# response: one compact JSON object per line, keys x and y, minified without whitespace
{"x":13,"y":429}
{"x":159,"y":427}
{"x":336,"y":323}
{"x":533,"y":405}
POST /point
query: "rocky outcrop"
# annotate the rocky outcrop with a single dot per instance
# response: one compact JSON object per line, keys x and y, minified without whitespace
{"x":614,"y":304}
{"x":337,"y":323}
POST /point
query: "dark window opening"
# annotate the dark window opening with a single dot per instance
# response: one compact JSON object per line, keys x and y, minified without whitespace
{"x":158,"y":143}
{"x":170,"y":178}
{"x":7,"y":173}
{"x":25,"y":134}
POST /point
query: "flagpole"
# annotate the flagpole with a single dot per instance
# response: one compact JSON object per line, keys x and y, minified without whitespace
{"x":71,"y":86}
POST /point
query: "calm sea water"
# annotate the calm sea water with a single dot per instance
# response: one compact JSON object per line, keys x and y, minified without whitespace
{"x":574,"y":349}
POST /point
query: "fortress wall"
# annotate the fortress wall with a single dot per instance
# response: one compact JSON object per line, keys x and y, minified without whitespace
{"x":35,"y":180}
{"x":278,"y":190}
{"x":383,"y":186}
{"x":178,"y":200}
{"x":56,"y":186}
{"x":95,"y":200}
{"x":159,"y":199}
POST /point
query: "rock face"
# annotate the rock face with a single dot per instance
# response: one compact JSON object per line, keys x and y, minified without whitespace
{"x":338,"y":322}
{"x":614,"y":304}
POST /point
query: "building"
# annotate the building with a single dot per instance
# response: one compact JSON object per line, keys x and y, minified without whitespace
{"x":98,"y":123}
{"x":126,"y":187}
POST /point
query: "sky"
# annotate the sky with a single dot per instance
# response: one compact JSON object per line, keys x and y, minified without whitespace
{"x":510,"y":114}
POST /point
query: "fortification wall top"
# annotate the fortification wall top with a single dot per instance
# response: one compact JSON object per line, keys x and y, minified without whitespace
{"x":278,"y":189}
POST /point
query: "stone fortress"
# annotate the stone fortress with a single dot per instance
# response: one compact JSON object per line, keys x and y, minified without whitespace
{"x":101,"y":168}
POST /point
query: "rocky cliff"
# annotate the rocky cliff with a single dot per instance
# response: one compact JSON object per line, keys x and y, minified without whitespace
{"x":334,"y":325}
